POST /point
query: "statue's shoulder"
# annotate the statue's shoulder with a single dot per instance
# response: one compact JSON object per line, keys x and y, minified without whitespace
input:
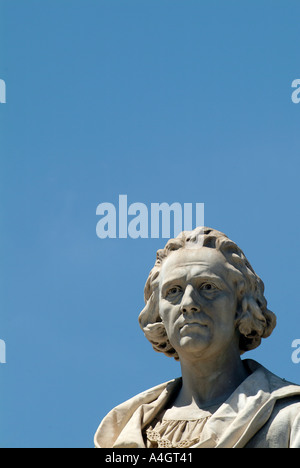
{"x":126,"y":417}
{"x":152,"y":393}
{"x":279,"y":384}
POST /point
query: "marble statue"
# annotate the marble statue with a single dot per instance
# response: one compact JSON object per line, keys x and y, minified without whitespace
{"x":205,"y":306}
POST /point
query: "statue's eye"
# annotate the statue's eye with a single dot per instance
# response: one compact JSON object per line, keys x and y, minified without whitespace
{"x":208,"y":287}
{"x":173,"y":291}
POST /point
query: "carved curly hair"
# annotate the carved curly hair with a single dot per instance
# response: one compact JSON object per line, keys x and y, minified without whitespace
{"x":254,"y":320}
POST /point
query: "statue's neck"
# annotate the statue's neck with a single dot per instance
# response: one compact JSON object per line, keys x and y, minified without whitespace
{"x":207,"y":383}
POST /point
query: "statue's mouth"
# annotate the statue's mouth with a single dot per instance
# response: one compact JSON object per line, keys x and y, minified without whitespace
{"x":193,"y":325}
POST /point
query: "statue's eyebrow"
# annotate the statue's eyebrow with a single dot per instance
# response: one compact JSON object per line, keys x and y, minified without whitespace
{"x":173,"y":278}
{"x":209,"y":277}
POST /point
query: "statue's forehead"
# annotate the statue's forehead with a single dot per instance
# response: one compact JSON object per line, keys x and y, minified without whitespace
{"x":201,"y":256}
{"x":195,"y":261}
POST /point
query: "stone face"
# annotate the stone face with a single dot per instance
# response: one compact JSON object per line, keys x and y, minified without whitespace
{"x":205,"y":306}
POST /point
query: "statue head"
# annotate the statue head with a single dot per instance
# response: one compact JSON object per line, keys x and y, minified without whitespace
{"x":202,"y":285}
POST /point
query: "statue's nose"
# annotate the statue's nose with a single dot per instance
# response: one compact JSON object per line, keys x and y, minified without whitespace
{"x":189,"y":303}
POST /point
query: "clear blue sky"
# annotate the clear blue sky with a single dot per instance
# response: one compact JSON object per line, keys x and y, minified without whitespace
{"x":162,"y":100}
